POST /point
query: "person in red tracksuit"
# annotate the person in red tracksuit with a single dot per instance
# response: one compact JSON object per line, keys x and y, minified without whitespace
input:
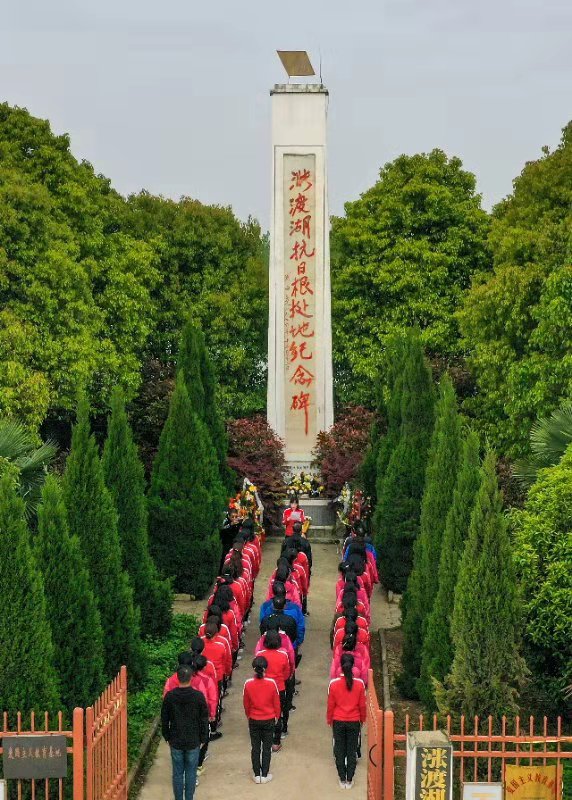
{"x":262,"y":708}
{"x":346,"y":713}
{"x":280,"y":671}
{"x":215,"y":650}
{"x":292,"y":515}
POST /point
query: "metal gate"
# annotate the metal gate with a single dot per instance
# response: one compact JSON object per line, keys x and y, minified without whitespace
{"x":374,"y":742}
{"x":106,"y":743}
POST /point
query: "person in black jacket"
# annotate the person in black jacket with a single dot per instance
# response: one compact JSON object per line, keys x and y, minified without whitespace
{"x":185,"y":727}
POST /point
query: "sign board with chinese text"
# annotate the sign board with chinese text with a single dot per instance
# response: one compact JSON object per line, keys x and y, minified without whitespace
{"x":429,"y":771}
{"x":531,"y":783}
{"x":35,"y":756}
{"x":482,"y":791}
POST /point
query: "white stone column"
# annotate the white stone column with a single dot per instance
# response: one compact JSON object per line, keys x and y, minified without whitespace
{"x":300,"y":386}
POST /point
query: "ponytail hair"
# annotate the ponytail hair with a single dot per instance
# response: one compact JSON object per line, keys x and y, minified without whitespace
{"x":259,"y":665}
{"x":347,"y":663}
{"x":349,"y":642}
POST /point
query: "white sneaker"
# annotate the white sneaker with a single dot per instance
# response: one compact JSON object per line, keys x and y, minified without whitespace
{"x":257,"y":779}
{"x":350,"y":785}
{"x":342,"y":784}
{"x":197,"y":782}
{"x":267,"y":779}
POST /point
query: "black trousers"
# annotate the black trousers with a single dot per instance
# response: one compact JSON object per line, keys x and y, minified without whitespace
{"x":261,"y":733}
{"x":288,"y":699}
{"x":346,"y":738}
{"x":282,"y":721}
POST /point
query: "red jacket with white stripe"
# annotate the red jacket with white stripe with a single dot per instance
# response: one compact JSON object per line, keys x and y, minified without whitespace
{"x":278,"y":666}
{"x":346,"y":705}
{"x":261,"y":699}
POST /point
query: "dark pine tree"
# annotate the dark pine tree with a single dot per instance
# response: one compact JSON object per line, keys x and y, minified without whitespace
{"x":440,"y":479}
{"x":399,"y":496}
{"x":72,"y":612}
{"x":212,"y":417}
{"x":183,"y":520}
{"x":28,"y":679}
{"x":487,"y":668}
{"x":437,"y":655}
{"x":189,"y":361}
{"x":124,"y":477}
{"x":93,"y":519}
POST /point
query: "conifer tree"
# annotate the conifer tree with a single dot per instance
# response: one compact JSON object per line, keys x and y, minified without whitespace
{"x":397,"y":356}
{"x":124,"y":477}
{"x":71,"y":606}
{"x":93,"y":519}
{"x":189,"y":361}
{"x":399,"y":498}
{"x":212,"y":417}
{"x":440,"y":478}
{"x":28,"y":679}
{"x":487,"y":667}
{"x":183,"y":519}
{"x":437,"y":655}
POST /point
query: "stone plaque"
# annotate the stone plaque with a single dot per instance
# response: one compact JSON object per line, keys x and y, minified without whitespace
{"x":35,"y":756}
{"x":429,"y":766}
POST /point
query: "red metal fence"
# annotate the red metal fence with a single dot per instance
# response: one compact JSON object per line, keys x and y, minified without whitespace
{"x":48,"y":788}
{"x":481,"y":747}
{"x":106,"y":737}
{"x":102,"y":745}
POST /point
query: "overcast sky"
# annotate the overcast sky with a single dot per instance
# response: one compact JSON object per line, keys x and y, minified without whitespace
{"x":173,"y":95}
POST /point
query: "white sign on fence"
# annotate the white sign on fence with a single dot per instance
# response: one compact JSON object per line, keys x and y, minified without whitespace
{"x":482,"y":791}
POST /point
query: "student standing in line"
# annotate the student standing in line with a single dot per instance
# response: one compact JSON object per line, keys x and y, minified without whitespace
{"x":185,"y":727}
{"x":262,"y":708}
{"x":280,"y":671}
{"x":346,"y":713}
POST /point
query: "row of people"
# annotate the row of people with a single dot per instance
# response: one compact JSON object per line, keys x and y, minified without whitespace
{"x":350,"y":637}
{"x":192,"y":719}
{"x":268,"y":696}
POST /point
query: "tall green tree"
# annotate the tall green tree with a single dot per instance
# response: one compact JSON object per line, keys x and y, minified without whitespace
{"x":93,"y":519}
{"x":542,"y":536}
{"x":488,"y":667}
{"x":437,"y":653}
{"x":183,"y":515}
{"x":397,"y":515}
{"x":28,"y":679}
{"x":403,"y":255}
{"x":212,"y":416}
{"x":123,"y":472}
{"x":71,"y":606}
{"x":516,"y":323}
{"x":75,"y":291}
{"x":218,"y":266}
{"x":440,"y":479}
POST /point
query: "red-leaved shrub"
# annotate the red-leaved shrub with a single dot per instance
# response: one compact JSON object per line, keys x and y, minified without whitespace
{"x":257,"y":453}
{"x":340,"y":451}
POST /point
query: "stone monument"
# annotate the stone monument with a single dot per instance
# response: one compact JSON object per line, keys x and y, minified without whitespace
{"x":300,"y":388}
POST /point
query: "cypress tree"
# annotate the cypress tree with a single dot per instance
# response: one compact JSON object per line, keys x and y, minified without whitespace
{"x":437,"y":655}
{"x":72,"y":613}
{"x":397,"y":356}
{"x":93,"y":519}
{"x":124,"y":477}
{"x":183,"y":520}
{"x":440,"y":478}
{"x":189,"y":361}
{"x":28,"y":680}
{"x":487,"y":666}
{"x":399,"y":498}
{"x":212,"y":417}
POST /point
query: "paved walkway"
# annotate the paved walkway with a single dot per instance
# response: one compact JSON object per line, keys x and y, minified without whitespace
{"x":304,"y":768}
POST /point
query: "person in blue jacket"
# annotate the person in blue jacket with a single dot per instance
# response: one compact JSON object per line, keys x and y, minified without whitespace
{"x":291,"y":609}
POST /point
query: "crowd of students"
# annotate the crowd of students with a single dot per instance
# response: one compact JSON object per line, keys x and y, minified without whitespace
{"x":191,"y":720}
{"x":269,"y":695}
{"x":346,"y":711}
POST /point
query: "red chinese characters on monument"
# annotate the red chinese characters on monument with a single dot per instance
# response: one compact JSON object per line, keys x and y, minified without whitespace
{"x":300,"y":257}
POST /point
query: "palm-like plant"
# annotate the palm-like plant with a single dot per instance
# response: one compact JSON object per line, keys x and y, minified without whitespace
{"x":19,"y":449}
{"x":549,"y":438}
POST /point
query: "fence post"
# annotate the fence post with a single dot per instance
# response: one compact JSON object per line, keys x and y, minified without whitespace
{"x":89,"y":752}
{"x":380,"y":754}
{"x":77,"y":746}
{"x":388,"y":757}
